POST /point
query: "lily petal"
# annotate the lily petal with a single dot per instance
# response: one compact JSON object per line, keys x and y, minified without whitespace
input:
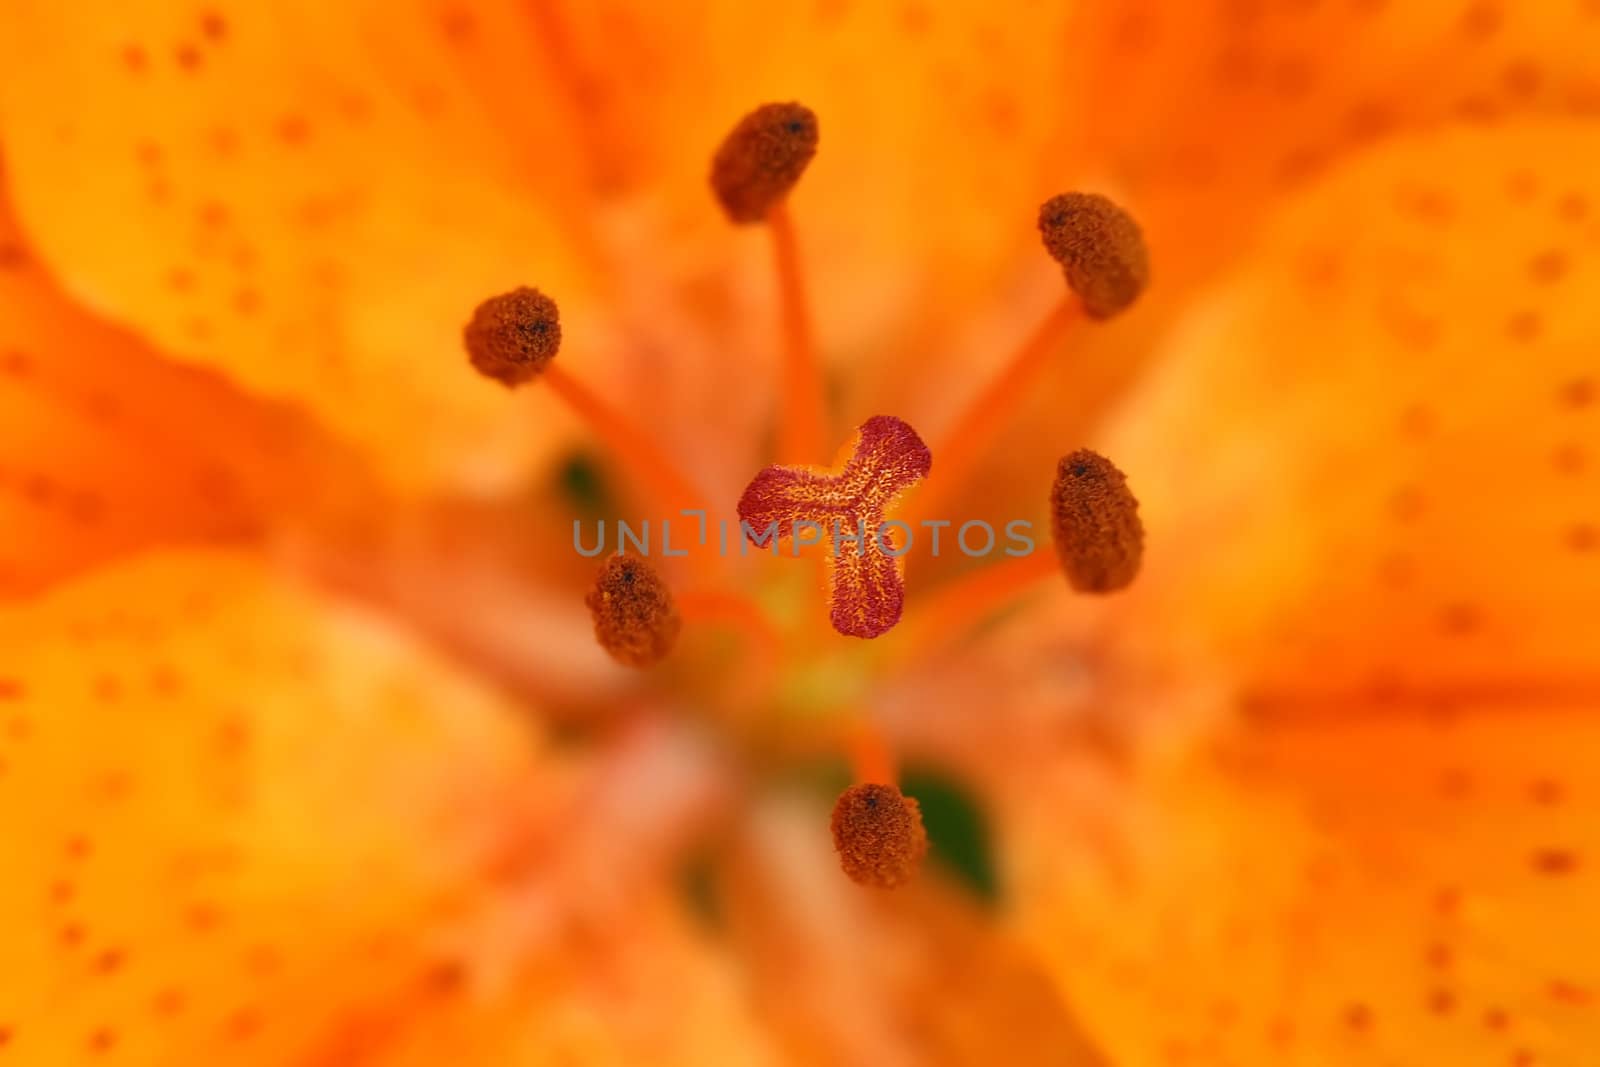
{"x":1275,"y":94}
{"x":1377,"y":444}
{"x":243,"y":823}
{"x":1363,"y":891}
{"x":1207,"y":115}
{"x":106,"y":448}
{"x":1370,"y":461}
{"x":307,"y":198}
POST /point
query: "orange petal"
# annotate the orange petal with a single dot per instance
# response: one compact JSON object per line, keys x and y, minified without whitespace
{"x":310,"y":199}
{"x":106,"y":448}
{"x":245,"y":825}
{"x":1272,"y":94}
{"x":1363,"y":892}
{"x":1371,"y":456}
{"x":1201,"y":115}
{"x":1366,"y":470}
{"x":204,"y":779}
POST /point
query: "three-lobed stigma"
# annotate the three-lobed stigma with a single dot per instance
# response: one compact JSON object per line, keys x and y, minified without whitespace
{"x":635,"y":619}
{"x":762,"y":158}
{"x":846,"y":509}
{"x":878,"y":833}
{"x":513,"y":337}
{"x":1094,"y":521}
{"x":1100,"y":248}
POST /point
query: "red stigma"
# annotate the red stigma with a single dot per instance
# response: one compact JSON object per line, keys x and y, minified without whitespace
{"x":866,"y":584}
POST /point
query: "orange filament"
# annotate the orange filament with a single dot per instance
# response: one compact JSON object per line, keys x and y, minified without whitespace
{"x":971,"y":598}
{"x":1094,"y":520}
{"x":871,"y":761}
{"x":514,"y":337}
{"x":722,"y":606}
{"x":878,"y":833}
{"x":635,"y":619}
{"x":1102,"y":253}
{"x":653,"y":471}
{"x":801,"y":431}
{"x":977,"y":426}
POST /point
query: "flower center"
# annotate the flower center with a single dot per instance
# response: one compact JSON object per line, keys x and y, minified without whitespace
{"x":783,"y":663}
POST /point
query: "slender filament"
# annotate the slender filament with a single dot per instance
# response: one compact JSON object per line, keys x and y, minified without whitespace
{"x":972,"y":597}
{"x":655,"y":473}
{"x":801,"y":431}
{"x":962,"y":447}
{"x":700,"y":605}
{"x":871,"y":761}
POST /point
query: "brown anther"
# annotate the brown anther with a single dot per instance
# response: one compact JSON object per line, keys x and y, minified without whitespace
{"x":634,"y":617}
{"x":1094,"y":520}
{"x":878,"y":833}
{"x":1099,"y":247}
{"x":762,"y":159}
{"x":514,"y":336}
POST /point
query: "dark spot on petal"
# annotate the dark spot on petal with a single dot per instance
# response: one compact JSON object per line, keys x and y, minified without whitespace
{"x":1579,"y":393}
{"x":1554,"y":861}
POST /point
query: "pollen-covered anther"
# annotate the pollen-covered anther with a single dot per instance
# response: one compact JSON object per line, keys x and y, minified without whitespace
{"x":878,"y":833}
{"x":1094,"y":520}
{"x":1100,"y":248}
{"x":514,"y":336}
{"x":635,"y":619}
{"x":762,"y":159}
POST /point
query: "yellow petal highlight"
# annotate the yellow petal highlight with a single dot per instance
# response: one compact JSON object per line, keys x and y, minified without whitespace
{"x":106,"y":448}
{"x":311,"y":199}
{"x":242,"y":824}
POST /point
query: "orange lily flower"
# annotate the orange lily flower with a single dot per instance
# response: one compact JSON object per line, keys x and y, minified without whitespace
{"x":309,"y":754}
